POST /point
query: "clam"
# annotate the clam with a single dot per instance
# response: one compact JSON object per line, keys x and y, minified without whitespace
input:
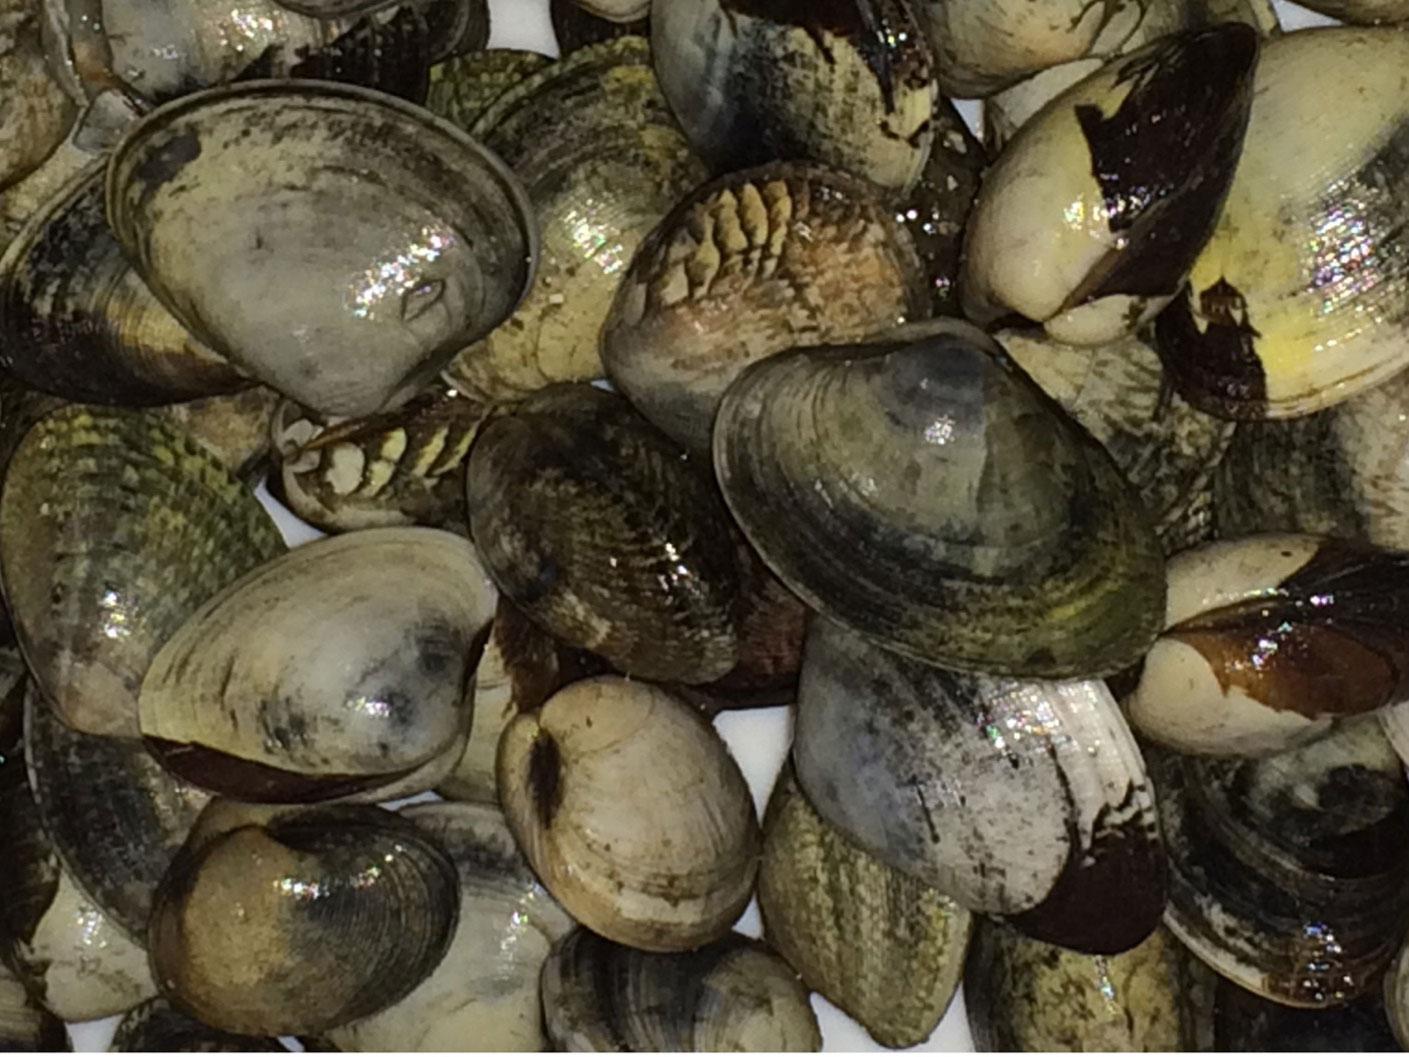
{"x":1298,"y":301}
{"x":748,"y":266}
{"x":603,"y":161}
{"x":733,"y":995}
{"x":70,"y":955}
{"x":885,"y":947}
{"x":1269,"y":639}
{"x":78,"y":322}
{"x":274,"y":194}
{"x":1115,"y":186}
{"x":595,"y":525}
{"x":115,"y":816}
{"x":630,"y":809}
{"x":1288,"y":873}
{"x":579,"y":25}
{"x":1167,"y":449}
{"x":923,"y":491}
{"x":114,"y":527}
{"x":243,"y":701}
{"x":158,"y":1027}
{"x":391,"y":468}
{"x":1340,"y":472}
{"x":1247,"y":1023}
{"x":234,"y":428}
{"x":1026,"y":799}
{"x":1026,"y":995}
{"x":463,"y":88}
{"x":297,"y":922}
{"x":851,"y":85}
{"x":25,"y":1026}
{"x":484,"y":995}
{"x":38,"y":112}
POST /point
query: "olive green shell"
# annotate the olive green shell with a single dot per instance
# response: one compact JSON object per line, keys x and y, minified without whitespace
{"x":463,"y":88}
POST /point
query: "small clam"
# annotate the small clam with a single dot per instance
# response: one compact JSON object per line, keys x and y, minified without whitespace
{"x":1289,"y":874}
{"x":232,"y":197}
{"x":1247,"y":1023}
{"x":114,"y":527}
{"x":850,"y":84}
{"x":923,"y":491}
{"x":595,"y":525}
{"x":1115,"y":186}
{"x":463,"y":88}
{"x":733,"y":995}
{"x":37,"y":112}
{"x":484,"y":994}
{"x":158,"y":1027}
{"x":1026,"y":995}
{"x":575,"y":26}
{"x":78,"y":322}
{"x":1268,"y":639}
{"x":116,"y":817}
{"x":1027,"y":799}
{"x":243,"y":701}
{"x":603,"y":161}
{"x":748,"y":266}
{"x":1298,"y":299}
{"x":297,"y":922}
{"x":25,"y":1026}
{"x":885,"y":947}
{"x":392,"y":468}
{"x":1167,"y":449}
{"x":629,"y":807}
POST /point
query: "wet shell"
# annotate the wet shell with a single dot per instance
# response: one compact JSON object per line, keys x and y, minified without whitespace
{"x":1301,"y":297}
{"x":78,"y":322}
{"x":885,"y":947}
{"x":398,"y":467}
{"x":37,"y":112}
{"x":595,"y":525}
{"x":575,"y":27}
{"x":1142,"y":153}
{"x":603,"y":161}
{"x":1247,"y":1023}
{"x":923,"y":491}
{"x":1288,"y":873}
{"x":116,"y":817}
{"x":24,"y":1025}
{"x":629,"y":807}
{"x":734,"y":995}
{"x":463,"y":88}
{"x":234,"y":428}
{"x":347,"y":325}
{"x":114,"y":528}
{"x":848,"y":83}
{"x":1166,"y":448}
{"x":1027,"y":799}
{"x":157,"y":1027}
{"x":244,"y":701}
{"x":484,"y":994}
{"x":1026,"y":995}
{"x":1270,"y":638}
{"x":304,"y":923}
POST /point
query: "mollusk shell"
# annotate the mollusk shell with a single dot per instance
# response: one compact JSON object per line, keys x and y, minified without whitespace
{"x":576,"y":27}
{"x":25,"y":1026}
{"x":38,"y":112}
{"x":158,"y":1027}
{"x":463,"y":88}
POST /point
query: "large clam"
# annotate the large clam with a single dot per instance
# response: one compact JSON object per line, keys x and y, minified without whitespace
{"x":1026,"y":799}
{"x":923,"y":491}
{"x":274,"y":194}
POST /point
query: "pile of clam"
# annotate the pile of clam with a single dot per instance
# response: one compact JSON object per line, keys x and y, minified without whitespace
{"x":1057,"y":484}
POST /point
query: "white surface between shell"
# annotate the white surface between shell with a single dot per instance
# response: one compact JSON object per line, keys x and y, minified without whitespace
{"x":758,"y":739}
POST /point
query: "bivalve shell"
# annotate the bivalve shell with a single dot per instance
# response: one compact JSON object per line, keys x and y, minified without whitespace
{"x":159,"y":1027}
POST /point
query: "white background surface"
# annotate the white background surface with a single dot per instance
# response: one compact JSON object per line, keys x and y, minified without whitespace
{"x":759,"y":739}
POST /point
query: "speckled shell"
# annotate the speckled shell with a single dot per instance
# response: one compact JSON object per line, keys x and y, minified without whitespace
{"x":923,"y":491}
{"x":848,"y":83}
{"x":883,"y":946}
{"x":632,"y":812}
{"x":1288,"y":873}
{"x":302,"y":921}
{"x":748,"y":266}
{"x":595,"y":525}
{"x":1027,"y":799}
{"x":576,"y":27}
{"x":1166,"y":448}
{"x":1119,"y":226}
{"x":158,"y":1027}
{"x":234,"y":428}
{"x":463,"y":88}
{"x":1268,"y":639}
{"x":733,"y":995}
{"x":116,"y":816}
{"x":484,"y":994}
{"x":347,"y":326}
{"x":114,"y":528}
{"x":603,"y":161}
{"x":38,"y":112}
{"x":242,"y":700}
{"x":25,"y":1026}
{"x":1300,"y":299}
{"x":1024,"y":995}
